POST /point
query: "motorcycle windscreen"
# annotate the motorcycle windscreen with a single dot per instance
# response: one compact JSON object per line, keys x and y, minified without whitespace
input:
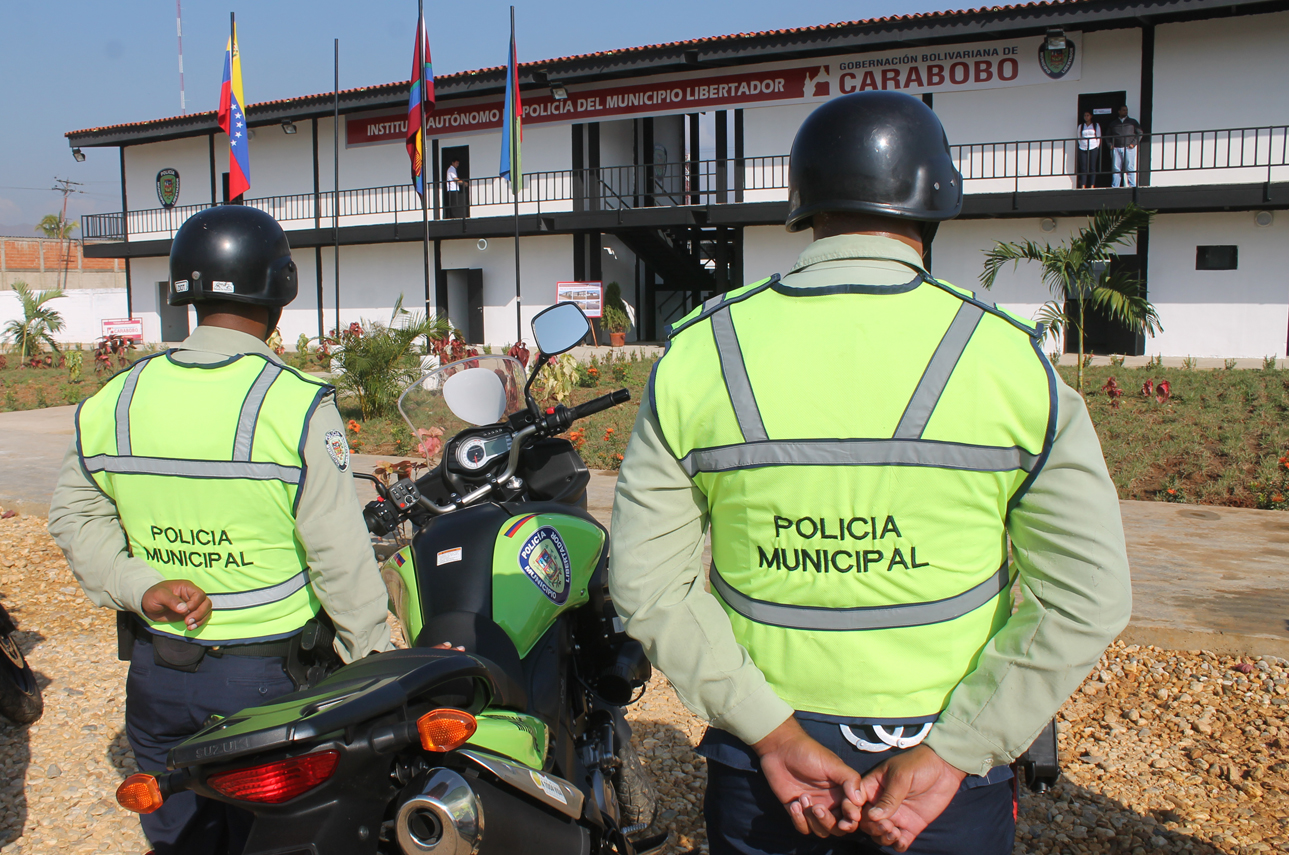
{"x":541,"y":566}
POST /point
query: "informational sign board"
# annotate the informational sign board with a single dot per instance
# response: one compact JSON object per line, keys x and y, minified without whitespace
{"x":914,"y":70}
{"x":131,"y":328}
{"x":589,"y":296}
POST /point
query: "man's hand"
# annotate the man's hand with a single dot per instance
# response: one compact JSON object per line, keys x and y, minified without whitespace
{"x":821,"y":793}
{"x":905,"y":794}
{"x":176,"y":600}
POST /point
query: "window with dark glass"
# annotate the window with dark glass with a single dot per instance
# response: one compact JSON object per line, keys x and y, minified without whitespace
{"x":1217,"y":257}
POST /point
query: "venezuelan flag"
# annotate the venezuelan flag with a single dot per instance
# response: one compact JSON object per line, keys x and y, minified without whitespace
{"x":233,"y":120}
{"x":512,"y":131}
{"x":422,"y":98}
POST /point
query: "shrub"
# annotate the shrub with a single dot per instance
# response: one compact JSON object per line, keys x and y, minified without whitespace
{"x":371,"y":362}
{"x":75,"y":361}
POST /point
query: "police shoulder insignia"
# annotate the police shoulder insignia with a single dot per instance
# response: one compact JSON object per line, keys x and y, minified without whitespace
{"x":338,"y":448}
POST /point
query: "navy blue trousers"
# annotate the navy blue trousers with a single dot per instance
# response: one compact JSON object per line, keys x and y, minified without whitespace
{"x":744,"y":817}
{"x":163,"y":707}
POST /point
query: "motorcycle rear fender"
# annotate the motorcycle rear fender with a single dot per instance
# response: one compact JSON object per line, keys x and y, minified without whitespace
{"x":355,"y":694}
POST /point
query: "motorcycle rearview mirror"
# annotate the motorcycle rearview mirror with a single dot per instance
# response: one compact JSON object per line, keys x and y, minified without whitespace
{"x":476,"y":396}
{"x":556,"y":330}
{"x":559,"y":328}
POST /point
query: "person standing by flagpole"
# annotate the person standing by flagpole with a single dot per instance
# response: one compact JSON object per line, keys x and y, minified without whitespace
{"x":420,"y":102}
{"x":512,"y":134}
{"x":232,"y":119}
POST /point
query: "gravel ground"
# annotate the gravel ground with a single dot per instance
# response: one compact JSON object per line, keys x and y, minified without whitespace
{"x":1164,"y":751}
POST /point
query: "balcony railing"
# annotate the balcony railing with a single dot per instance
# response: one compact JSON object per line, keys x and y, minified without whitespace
{"x":1231,"y":155}
{"x":604,"y":188}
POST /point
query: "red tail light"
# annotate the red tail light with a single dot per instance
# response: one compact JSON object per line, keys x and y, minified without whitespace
{"x":274,"y":783}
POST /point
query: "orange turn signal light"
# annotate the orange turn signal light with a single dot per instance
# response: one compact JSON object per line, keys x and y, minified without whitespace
{"x":445,"y":729}
{"x":140,"y":793}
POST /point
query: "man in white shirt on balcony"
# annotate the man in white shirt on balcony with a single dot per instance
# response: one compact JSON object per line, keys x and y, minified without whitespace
{"x":455,"y":188}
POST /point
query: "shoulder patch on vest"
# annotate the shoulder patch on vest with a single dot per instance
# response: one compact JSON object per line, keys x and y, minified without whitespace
{"x":713,"y":305}
{"x":337,"y":449}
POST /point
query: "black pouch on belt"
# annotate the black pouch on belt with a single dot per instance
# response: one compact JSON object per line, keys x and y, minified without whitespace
{"x":176,"y":654}
{"x":313,"y":657}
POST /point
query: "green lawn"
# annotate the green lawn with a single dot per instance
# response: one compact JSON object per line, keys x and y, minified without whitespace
{"x":1221,"y":437}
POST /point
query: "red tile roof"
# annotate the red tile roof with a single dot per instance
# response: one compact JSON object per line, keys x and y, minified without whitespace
{"x":621,"y":53}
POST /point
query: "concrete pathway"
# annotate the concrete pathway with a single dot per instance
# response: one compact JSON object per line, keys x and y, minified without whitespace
{"x":1203,"y":577}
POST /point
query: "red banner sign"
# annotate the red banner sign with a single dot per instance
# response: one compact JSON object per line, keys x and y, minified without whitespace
{"x":1015,"y":62}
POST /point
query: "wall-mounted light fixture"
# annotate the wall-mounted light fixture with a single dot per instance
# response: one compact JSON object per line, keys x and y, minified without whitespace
{"x":250,"y":133}
{"x":559,"y":92}
{"x":79,"y":155}
{"x":482,"y":244}
{"x":1263,"y":219}
{"x":288,"y":126}
{"x":1047,"y":224}
{"x":1055,"y":39}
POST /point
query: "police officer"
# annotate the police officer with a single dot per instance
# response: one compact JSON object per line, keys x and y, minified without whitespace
{"x":864,"y":444}
{"x":208,"y":498}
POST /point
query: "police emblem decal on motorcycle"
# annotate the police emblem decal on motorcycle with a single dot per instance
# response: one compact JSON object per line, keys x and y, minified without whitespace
{"x":544,"y":560}
{"x":337,"y":448}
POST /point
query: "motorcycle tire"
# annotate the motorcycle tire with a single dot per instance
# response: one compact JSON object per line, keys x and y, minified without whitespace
{"x":637,"y":798}
{"x":20,"y":699}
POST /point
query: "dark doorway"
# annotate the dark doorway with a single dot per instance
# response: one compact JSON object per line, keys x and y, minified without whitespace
{"x":465,"y":302}
{"x":456,"y":200}
{"x":1101,"y":335}
{"x":174,"y":319}
{"x":1103,"y":106}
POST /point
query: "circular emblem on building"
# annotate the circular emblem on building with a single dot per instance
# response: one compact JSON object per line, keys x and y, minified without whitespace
{"x":544,"y":560}
{"x":168,"y":187}
{"x":1056,"y":62}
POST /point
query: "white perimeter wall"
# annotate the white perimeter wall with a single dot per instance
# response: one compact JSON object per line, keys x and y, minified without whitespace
{"x":82,"y":309}
{"x":1220,"y":313}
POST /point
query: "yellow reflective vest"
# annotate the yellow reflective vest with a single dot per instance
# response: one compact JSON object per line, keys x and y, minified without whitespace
{"x":859,"y":448}
{"x":205,"y":465}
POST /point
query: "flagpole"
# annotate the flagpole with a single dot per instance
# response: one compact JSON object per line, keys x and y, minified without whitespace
{"x":232,"y":45}
{"x":335,"y":191}
{"x":421,"y":39}
{"x":514,"y":190}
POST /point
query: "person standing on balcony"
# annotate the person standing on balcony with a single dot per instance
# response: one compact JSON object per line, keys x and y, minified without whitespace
{"x":920,"y":420}
{"x":1125,"y":133}
{"x":456,"y":190}
{"x":1089,"y":149}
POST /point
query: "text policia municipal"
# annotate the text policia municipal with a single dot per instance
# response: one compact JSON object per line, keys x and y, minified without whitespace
{"x":193,"y":557}
{"x":838,"y":560}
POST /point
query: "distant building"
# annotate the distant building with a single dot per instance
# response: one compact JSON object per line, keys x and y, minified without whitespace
{"x":622,"y":186}
{"x":95,"y":287}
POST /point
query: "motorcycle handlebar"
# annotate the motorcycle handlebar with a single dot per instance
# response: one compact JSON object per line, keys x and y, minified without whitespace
{"x":603,"y":402}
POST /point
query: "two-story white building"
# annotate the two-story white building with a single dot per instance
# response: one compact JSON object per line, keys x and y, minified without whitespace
{"x":664,"y":169}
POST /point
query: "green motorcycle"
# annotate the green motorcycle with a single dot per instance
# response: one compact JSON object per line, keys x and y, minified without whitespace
{"x":501,"y":730}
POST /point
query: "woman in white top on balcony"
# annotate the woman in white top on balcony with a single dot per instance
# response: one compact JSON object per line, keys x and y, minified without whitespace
{"x":1089,"y":148}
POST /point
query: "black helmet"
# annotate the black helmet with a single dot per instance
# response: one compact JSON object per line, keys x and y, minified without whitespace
{"x":231,"y":252}
{"x":873,"y":153}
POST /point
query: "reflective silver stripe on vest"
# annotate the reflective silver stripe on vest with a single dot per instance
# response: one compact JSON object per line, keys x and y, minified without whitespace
{"x":260,"y":596}
{"x":121,"y":465}
{"x":736,"y":380}
{"x":936,"y":376}
{"x":867,"y":617}
{"x":123,"y":408}
{"x":251,"y":411}
{"x":858,"y":452}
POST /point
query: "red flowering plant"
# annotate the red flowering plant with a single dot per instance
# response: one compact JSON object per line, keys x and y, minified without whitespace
{"x":1112,"y":390}
{"x":1273,"y":493}
{"x":519,"y":351}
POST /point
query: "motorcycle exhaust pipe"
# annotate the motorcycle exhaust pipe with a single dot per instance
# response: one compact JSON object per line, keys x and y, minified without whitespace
{"x":453,"y":815}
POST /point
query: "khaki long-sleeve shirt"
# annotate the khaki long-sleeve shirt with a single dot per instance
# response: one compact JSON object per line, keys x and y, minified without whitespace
{"x":329,"y":523}
{"x":1066,"y":537}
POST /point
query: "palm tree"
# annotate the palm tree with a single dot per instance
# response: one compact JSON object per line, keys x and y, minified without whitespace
{"x":1081,"y":275}
{"x":38,"y":323}
{"x":53,"y":227}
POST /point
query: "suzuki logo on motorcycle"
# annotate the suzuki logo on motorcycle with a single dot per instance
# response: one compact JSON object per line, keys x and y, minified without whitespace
{"x":544,"y":559}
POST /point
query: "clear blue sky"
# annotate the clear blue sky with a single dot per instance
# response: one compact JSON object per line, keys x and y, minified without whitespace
{"x":87,"y":63}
